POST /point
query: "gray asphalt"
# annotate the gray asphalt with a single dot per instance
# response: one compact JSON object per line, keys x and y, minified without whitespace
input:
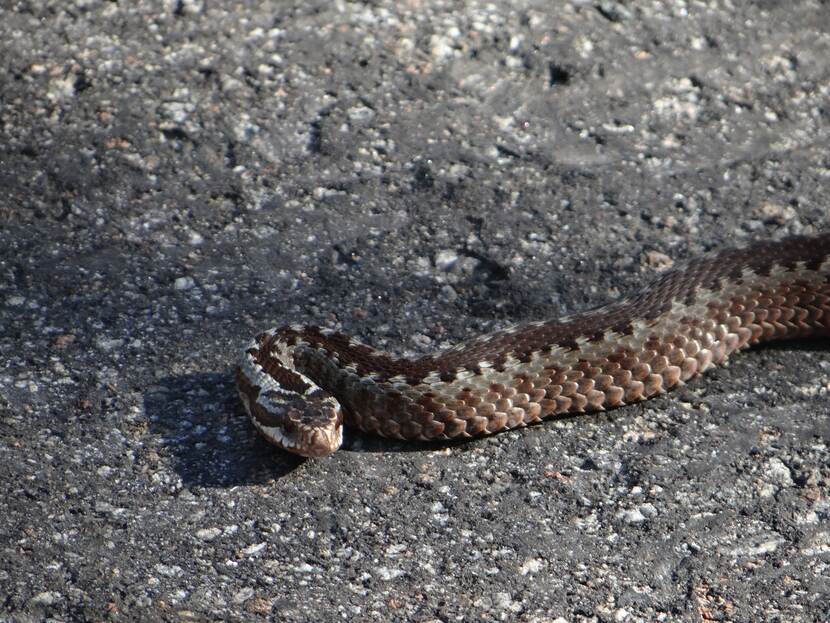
{"x":176,"y":176}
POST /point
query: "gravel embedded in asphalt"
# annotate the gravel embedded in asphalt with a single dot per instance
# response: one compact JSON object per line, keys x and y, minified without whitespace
{"x":176,"y":176}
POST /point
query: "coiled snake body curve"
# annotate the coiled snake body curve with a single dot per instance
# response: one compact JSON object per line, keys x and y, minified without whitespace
{"x":300,"y":384}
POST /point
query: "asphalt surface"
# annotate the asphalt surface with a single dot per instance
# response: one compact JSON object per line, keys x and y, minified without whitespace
{"x":176,"y":176}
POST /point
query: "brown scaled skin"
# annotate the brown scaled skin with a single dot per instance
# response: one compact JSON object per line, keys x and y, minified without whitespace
{"x":300,"y":383}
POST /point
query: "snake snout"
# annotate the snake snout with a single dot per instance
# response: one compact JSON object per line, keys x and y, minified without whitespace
{"x":319,"y":443}
{"x":312,"y":426}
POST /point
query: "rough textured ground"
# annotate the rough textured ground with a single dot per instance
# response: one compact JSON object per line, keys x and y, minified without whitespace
{"x":175,"y":176}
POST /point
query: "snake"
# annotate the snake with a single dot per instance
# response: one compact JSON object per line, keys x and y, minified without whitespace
{"x":300,"y":384}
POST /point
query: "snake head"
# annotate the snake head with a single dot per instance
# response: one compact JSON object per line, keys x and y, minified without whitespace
{"x":310,"y":425}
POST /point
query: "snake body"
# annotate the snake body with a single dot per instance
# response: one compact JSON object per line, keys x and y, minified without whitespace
{"x":300,"y":383}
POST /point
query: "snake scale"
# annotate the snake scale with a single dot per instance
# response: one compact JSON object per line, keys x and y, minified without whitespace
{"x":300,"y":384}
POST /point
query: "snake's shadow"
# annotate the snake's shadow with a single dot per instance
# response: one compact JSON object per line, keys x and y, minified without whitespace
{"x":210,"y":441}
{"x":206,"y":434}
